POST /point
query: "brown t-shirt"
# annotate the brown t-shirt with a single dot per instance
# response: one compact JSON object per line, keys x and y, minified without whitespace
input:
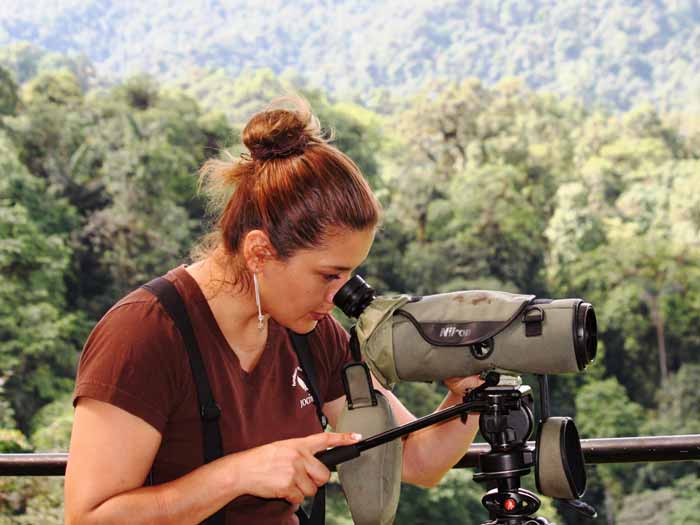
{"x":135,"y":359}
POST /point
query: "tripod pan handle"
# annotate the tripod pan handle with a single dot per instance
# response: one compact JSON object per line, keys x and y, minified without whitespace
{"x":581,"y":507}
{"x":334,"y":456}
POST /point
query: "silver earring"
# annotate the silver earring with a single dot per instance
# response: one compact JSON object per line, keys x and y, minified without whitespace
{"x":261,"y":318}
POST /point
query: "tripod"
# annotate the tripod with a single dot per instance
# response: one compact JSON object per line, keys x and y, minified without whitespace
{"x":506,"y":420}
{"x":506,"y":424}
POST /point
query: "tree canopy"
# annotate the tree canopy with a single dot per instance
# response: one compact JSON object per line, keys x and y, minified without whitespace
{"x":483,"y":187}
{"x":618,"y":54}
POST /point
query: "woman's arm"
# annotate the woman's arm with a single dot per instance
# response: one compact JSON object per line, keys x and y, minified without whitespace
{"x":111,"y":453}
{"x":430,"y":453}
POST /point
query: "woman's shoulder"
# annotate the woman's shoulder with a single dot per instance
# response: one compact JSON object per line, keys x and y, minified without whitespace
{"x":132,"y":359}
{"x":136,"y":332}
{"x":140,"y":313}
{"x":138,"y":316}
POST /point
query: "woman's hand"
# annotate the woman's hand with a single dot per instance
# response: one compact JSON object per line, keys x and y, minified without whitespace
{"x":288,"y":469}
{"x":103,"y":440}
{"x":459,"y":386}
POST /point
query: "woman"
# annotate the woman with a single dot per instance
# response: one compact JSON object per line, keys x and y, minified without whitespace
{"x":298,"y":222}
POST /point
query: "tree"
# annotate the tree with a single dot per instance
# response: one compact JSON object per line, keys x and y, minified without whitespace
{"x":678,"y":401}
{"x":25,"y":61}
{"x":628,"y":241}
{"x":676,"y":503}
{"x":456,"y":500}
{"x":8,"y":93}
{"x":472,"y":180}
{"x":603,"y":409}
{"x":38,"y":338}
{"x":11,"y":439}
{"x":127,"y":160}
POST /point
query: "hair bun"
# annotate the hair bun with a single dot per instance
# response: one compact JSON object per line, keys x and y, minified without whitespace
{"x":279,"y":133}
{"x":279,"y":145}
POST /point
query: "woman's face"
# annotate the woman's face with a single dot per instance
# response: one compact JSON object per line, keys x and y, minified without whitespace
{"x":298,"y":292}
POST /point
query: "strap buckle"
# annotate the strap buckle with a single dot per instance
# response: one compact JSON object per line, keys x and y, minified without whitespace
{"x":533,"y":319}
{"x":210,"y":412}
{"x":357,"y":383}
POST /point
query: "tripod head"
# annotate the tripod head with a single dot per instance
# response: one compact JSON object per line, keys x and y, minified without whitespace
{"x":506,"y":423}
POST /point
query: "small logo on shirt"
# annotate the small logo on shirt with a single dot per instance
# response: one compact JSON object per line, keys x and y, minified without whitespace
{"x":298,"y":381}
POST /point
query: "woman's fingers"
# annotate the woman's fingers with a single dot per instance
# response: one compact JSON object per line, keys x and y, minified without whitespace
{"x":323,"y":440}
{"x":295,"y":496}
{"x":289,"y":470}
{"x":306,"y":484}
{"x":459,"y":385}
{"x":316,"y":470}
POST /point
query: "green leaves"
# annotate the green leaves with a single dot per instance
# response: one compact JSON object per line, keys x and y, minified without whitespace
{"x":38,"y":338}
{"x":603,"y":409}
{"x":625,"y":236}
{"x":483,"y":187}
{"x":677,"y":503}
{"x":472,"y":176}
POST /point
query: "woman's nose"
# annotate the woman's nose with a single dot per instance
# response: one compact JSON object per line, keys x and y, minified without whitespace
{"x":331,"y":293}
{"x":337,"y":285}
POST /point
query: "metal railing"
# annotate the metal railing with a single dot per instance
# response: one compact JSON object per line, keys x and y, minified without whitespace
{"x":600,"y":450}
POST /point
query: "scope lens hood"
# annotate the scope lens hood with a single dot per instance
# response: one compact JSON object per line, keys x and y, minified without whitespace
{"x":585,"y":334}
{"x":560,"y":471}
{"x":354,"y":296}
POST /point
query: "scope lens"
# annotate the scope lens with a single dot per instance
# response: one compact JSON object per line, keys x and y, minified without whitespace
{"x":354,"y":296}
{"x":585,"y":335}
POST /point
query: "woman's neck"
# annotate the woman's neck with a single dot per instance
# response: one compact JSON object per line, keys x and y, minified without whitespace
{"x":234,"y":309}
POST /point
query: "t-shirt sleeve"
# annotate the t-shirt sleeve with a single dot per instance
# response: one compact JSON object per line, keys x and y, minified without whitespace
{"x":131,"y":361}
{"x":334,"y":355}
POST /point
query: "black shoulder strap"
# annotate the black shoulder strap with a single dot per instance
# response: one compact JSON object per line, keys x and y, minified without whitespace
{"x":318,"y":510}
{"x":300,"y":343}
{"x":170,"y":298}
{"x":209,"y":411}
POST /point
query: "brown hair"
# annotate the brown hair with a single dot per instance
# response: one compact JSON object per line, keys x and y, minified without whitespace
{"x":293,"y":185}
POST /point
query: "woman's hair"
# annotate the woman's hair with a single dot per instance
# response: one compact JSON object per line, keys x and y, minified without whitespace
{"x":293,"y":185}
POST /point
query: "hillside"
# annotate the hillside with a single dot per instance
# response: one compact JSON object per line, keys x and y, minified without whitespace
{"x":606,"y":52}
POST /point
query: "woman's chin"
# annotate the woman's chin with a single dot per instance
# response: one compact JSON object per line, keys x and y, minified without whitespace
{"x":303,"y":326}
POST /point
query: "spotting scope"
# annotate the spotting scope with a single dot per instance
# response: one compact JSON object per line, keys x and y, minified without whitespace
{"x":435,"y":337}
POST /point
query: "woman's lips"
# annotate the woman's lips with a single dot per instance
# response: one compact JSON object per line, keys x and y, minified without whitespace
{"x":316,"y":316}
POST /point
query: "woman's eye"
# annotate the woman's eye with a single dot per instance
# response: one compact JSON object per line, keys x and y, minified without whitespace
{"x":331,"y":277}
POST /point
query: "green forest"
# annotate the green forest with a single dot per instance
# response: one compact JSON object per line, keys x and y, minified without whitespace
{"x":610,"y":52}
{"x":484,"y":186}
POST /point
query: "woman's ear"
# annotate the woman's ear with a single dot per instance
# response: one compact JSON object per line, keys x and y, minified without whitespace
{"x":257,"y":249}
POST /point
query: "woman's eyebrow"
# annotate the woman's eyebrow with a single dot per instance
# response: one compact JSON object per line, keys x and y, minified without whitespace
{"x":338,"y":268}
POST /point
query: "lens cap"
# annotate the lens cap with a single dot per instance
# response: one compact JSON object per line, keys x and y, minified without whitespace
{"x":354,"y":296}
{"x":560,"y":470}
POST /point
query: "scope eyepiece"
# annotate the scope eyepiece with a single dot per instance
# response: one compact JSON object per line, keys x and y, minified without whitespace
{"x":585,"y":335}
{"x":354,"y":296}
